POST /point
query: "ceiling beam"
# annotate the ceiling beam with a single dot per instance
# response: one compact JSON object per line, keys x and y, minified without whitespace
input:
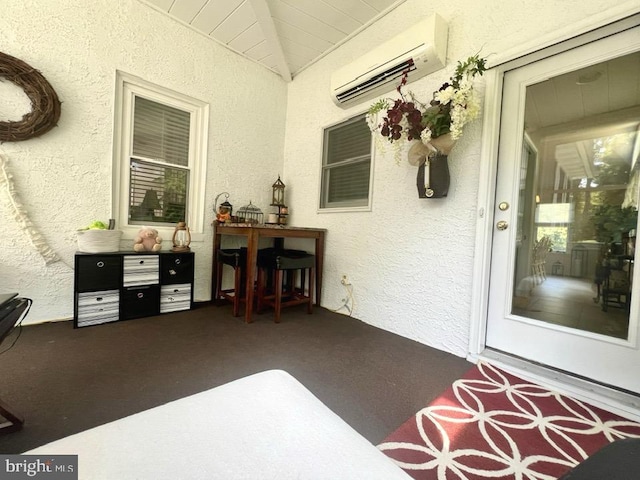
{"x":263,"y":15}
{"x":586,"y":158}
{"x":599,"y":125}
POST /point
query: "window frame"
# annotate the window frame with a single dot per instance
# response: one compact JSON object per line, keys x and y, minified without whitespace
{"x":323,"y":206}
{"x":127,"y":88}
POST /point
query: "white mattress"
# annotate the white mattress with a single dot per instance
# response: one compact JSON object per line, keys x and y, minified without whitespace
{"x":265,"y":426}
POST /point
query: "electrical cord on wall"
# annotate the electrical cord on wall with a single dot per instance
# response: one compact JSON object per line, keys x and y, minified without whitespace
{"x":18,"y":325}
{"x":348,"y":303}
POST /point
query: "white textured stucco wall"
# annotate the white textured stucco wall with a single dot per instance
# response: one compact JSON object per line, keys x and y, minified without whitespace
{"x":410,"y":260}
{"x":64,"y":177}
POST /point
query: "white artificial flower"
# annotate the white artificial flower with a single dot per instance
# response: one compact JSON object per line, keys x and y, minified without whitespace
{"x":464,"y":108}
{"x":473,"y":106}
{"x":425,"y":135}
{"x":444,"y":96}
{"x":457,"y":121}
{"x":372,"y":121}
{"x":457,"y":105}
{"x":404,"y":123}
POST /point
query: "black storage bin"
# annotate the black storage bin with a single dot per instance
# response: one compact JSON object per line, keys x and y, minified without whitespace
{"x":98,"y":272}
{"x":176,"y":268}
{"x":142,"y":301}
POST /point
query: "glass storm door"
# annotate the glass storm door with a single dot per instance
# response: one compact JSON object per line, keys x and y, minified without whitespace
{"x":564,"y":292}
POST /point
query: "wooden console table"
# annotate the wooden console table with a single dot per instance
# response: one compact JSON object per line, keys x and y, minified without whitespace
{"x":254,"y":233}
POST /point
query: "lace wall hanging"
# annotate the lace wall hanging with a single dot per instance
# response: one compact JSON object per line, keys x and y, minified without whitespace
{"x":44,"y":115}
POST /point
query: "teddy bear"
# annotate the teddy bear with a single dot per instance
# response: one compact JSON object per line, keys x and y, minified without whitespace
{"x":147,"y":240}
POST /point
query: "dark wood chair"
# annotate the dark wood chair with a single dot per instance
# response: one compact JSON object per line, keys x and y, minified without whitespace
{"x":237,"y":259}
{"x":614,"y":282}
{"x":278,"y":283}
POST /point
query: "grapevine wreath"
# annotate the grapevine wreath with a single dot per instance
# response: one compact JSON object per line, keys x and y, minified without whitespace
{"x":45,"y":105}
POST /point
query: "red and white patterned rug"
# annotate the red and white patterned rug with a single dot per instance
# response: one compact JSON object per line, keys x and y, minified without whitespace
{"x":490,"y":424}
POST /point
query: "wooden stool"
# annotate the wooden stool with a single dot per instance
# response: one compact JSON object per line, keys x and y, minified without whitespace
{"x":236,"y":258}
{"x":285,"y":294}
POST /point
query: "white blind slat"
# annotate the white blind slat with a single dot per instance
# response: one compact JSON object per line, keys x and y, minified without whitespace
{"x":157,"y":193}
{"x":161,"y":132}
{"x":349,"y":182}
{"x":348,"y":141}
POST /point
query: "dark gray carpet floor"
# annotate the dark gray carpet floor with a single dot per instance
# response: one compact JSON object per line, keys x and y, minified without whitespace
{"x":65,"y":380}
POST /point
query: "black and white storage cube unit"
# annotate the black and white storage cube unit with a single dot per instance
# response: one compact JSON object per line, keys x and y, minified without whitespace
{"x":126,"y":285}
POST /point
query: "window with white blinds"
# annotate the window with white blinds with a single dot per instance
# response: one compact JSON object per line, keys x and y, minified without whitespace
{"x":346,"y":165}
{"x":160,"y":156}
{"x":159,"y":165}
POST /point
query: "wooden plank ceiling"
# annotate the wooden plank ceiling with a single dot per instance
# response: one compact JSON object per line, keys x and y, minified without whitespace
{"x":287,"y":35}
{"x":283,"y":35}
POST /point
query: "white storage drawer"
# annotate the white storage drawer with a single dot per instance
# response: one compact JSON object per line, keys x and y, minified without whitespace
{"x":98,"y":307}
{"x":175,"y":297}
{"x":141,"y":270}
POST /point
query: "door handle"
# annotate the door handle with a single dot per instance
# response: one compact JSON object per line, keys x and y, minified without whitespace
{"x":502,"y":225}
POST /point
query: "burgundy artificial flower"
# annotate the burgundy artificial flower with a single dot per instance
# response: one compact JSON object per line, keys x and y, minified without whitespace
{"x":394,"y":115}
{"x":414,"y":116}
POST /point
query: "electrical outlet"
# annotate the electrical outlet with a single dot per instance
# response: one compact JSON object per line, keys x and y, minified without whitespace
{"x":344,"y":280}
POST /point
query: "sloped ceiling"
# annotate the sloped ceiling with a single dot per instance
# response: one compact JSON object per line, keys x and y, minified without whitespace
{"x":283,"y":35}
{"x":286,"y":36}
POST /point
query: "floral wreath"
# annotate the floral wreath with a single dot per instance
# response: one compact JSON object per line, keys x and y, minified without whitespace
{"x":453,"y":105}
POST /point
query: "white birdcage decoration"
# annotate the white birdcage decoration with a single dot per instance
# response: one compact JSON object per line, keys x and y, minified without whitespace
{"x":250,"y":214}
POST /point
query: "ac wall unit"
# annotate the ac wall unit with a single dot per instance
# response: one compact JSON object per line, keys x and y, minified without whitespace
{"x":420,"y":49}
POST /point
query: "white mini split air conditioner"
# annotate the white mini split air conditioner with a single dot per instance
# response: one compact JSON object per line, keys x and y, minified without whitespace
{"x":420,"y":49}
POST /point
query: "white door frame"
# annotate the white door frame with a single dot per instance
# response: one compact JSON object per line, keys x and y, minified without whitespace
{"x":593,"y":28}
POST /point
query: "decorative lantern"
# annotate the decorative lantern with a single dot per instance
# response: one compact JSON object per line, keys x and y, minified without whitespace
{"x":278,"y":201}
{"x":250,"y":214}
{"x":224,"y":204}
{"x":224,"y":211}
{"x":227,"y":207}
{"x":181,"y":238}
{"x":278,"y":193}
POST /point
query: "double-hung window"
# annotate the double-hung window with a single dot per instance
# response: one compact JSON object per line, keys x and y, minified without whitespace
{"x":159,"y":156}
{"x":346,"y":166}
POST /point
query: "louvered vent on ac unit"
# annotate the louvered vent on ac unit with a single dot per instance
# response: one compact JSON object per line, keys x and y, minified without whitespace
{"x":420,"y":50}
